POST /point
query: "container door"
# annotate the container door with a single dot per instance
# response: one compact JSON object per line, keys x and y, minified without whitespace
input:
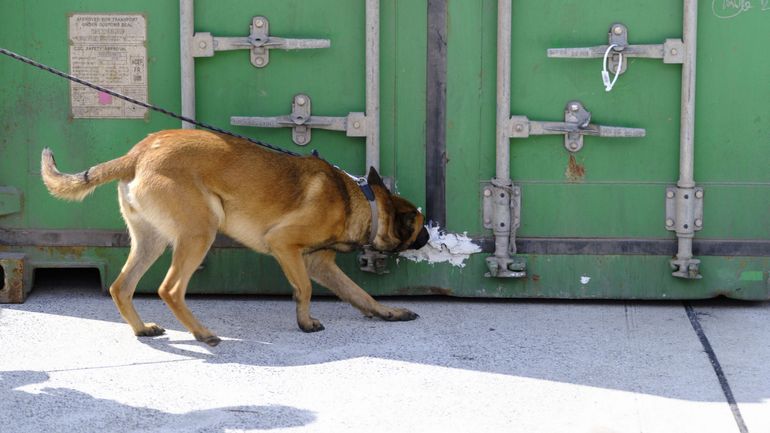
{"x":593,"y":221}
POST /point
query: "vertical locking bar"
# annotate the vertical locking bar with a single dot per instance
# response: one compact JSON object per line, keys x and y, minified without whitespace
{"x":187,"y":61}
{"x":687,"y":119}
{"x":502,"y":135}
{"x":687,"y":115}
{"x":501,"y":264}
{"x":372,"y":84}
{"x":684,"y":265}
{"x":372,"y":110}
{"x":502,"y":209}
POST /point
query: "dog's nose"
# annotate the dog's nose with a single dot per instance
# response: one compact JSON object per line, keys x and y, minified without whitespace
{"x":421,"y":240}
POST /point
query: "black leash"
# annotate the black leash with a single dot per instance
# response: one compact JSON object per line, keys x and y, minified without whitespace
{"x":38,"y":65}
{"x":361,"y":181}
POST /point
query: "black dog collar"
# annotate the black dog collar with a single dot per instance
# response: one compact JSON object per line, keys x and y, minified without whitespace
{"x":369,"y":193}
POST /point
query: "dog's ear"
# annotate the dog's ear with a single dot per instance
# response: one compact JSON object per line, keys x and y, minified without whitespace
{"x":374,"y":178}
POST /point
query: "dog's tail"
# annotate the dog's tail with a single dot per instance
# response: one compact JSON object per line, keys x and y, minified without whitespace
{"x":76,"y":187}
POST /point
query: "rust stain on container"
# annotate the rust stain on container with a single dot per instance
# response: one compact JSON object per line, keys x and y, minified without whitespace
{"x":575,"y":172}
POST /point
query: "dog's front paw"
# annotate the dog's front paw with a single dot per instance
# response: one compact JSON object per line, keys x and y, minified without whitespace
{"x":312,"y":325}
{"x":398,"y":315}
{"x":150,"y":330}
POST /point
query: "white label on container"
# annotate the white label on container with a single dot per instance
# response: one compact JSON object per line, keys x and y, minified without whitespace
{"x":108,"y":50}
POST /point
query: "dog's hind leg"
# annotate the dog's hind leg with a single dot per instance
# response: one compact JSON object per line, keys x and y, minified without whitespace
{"x":189,"y":251}
{"x":188,"y":216}
{"x":325,"y":271}
{"x":146,"y":246}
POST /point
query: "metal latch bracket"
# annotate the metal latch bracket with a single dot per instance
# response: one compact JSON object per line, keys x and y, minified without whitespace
{"x":577,"y":123}
{"x":259,"y":42}
{"x":373,"y":262}
{"x":684,"y":215}
{"x":671,"y":51}
{"x":501,"y":212}
{"x":301,"y":121}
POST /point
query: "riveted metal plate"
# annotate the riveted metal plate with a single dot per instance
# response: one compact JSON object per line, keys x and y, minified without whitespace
{"x":300,"y":114}
{"x":356,"y":125}
{"x":203,"y":45}
{"x":618,"y":35}
{"x":690,"y":215}
{"x":260,"y":31}
{"x":576,"y":114}
{"x":490,"y":194}
{"x":519,"y":127}
{"x":673,"y":51}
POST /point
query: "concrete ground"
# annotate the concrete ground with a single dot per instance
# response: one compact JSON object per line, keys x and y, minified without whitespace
{"x":68,"y":363}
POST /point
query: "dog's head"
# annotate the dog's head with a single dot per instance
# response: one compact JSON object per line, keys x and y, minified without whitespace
{"x":403,"y":227}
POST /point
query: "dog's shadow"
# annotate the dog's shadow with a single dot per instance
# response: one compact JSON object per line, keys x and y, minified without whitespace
{"x":283,"y":345}
{"x":53,"y":405}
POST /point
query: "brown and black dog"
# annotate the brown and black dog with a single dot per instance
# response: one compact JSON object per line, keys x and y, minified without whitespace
{"x":180,"y":187}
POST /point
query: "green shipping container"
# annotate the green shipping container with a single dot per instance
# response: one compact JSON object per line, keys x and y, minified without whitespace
{"x":568,"y":189}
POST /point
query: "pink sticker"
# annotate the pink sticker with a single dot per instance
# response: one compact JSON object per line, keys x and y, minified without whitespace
{"x":105,"y":99}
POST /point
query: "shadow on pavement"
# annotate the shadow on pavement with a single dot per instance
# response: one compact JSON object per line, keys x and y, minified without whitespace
{"x":63,"y":407}
{"x":641,"y":347}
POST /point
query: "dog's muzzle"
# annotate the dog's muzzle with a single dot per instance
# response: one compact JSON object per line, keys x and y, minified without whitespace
{"x":421,"y":240}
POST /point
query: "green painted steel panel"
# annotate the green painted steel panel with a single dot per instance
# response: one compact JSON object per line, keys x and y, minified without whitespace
{"x":612,"y":188}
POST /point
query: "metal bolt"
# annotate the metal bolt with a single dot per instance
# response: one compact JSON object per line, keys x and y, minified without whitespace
{"x":669,"y":194}
{"x":356,"y":125}
{"x":487,"y":221}
{"x":301,"y":139}
{"x":487,"y":193}
{"x":698,"y":223}
{"x":260,"y":61}
{"x":573,"y":145}
{"x":259,"y":23}
{"x":202,"y":44}
{"x":618,"y":30}
{"x":519,"y":127}
{"x":674,"y":51}
{"x":516,"y":192}
{"x":698,"y":194}
{"x":669,"y":222}
{"x":574,"y":107}
{"x":301,"y":100}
